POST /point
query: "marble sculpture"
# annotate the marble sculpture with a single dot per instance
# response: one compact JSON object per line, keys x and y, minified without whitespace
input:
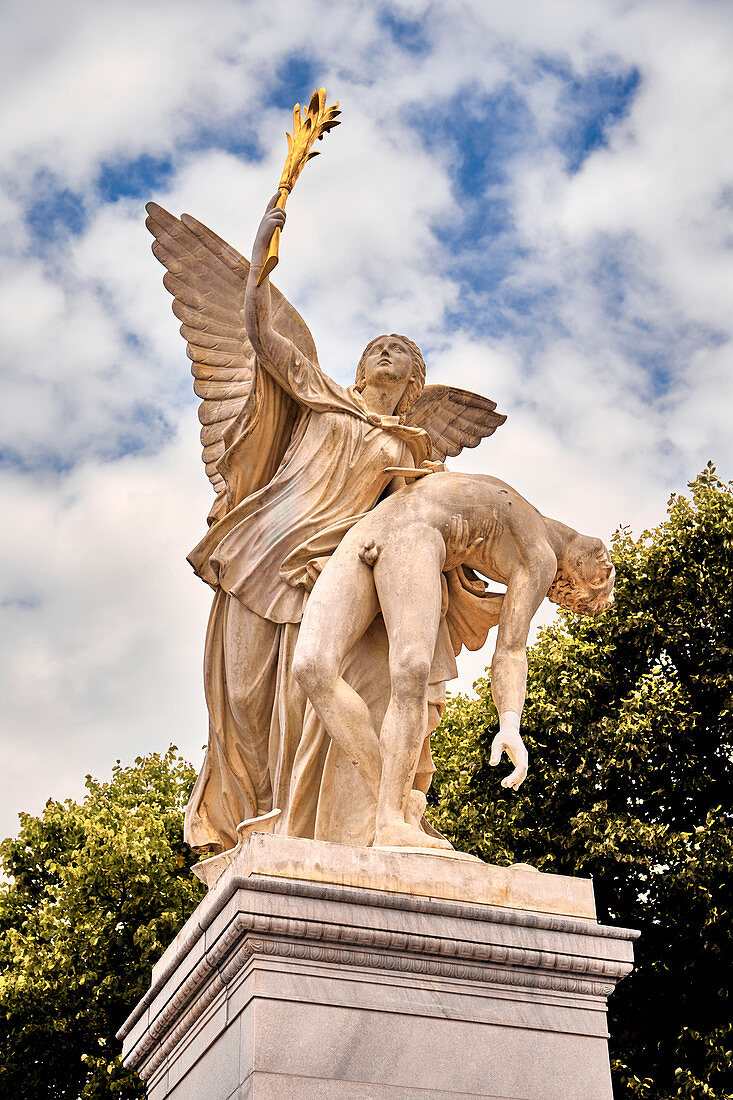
{"x":346,"y":561}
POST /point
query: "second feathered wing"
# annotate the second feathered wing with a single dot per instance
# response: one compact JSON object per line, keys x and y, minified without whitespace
{"x":453,"y":419}
{"x":207,"y":278}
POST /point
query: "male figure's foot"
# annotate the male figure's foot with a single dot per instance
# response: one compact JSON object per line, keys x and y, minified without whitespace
{"x":415,"y":808}
{"x":398,"y":833}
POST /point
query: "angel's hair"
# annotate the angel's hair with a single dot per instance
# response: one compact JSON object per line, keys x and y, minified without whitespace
{"x":414,"y":389}
{"x":585,"y":583}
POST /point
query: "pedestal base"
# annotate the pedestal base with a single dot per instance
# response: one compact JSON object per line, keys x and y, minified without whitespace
{"x":284,"y":986}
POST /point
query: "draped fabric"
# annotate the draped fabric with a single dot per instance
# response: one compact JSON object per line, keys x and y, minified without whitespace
{"x":309,"y":471}
{"x":471,"y":610}
{"x":287,"y":466}
{"x":243,"y":757}
{"x":261,"y":558}
{"x":295,"y":460}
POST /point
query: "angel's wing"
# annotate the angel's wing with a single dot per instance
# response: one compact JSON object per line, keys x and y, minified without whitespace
{"x":453,"y":419}
{"x":207,"y":278}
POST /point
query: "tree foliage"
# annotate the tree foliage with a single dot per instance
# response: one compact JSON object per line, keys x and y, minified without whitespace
{"x":629,"y":726}
{"x":93,"y":893}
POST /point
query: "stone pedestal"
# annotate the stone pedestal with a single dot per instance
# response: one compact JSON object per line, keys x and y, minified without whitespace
{"x":337,"y":973}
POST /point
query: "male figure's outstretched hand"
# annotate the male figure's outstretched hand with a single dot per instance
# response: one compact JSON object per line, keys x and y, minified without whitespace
{"x":509,"y":741}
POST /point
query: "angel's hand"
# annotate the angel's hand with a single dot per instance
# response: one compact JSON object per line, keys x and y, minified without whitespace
{"x":433,"y":467}
{"x":510,"y":742}
{"x":272,"y":219}
{"x":460,"y":541}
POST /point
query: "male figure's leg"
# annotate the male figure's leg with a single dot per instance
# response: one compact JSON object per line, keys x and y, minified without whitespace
{"x":407,"y":576}
{"x":339,"y":610}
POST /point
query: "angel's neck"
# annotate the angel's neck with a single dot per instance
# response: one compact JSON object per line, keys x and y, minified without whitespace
{"x":382,"y":399}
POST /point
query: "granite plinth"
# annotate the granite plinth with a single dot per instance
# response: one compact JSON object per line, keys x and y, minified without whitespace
{"x":281,"y":985}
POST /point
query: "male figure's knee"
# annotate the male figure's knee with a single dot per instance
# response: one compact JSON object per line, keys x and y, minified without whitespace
{"x":312,"y":670}
{"x":410,"y":674}
{"x":304,"y":667}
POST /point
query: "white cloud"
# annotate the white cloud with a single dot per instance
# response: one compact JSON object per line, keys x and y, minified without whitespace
{"x":103,"y":620}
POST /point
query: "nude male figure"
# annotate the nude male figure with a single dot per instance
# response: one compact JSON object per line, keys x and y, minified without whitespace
{"x":391,"y":561}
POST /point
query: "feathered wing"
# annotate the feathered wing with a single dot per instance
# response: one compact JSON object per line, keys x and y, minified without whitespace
{"x":453,"y":419}
{"x":207,"y":278}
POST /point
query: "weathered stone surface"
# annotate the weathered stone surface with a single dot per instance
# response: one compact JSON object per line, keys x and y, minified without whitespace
{"x":437,"y":874}
{"x":283,"y":987}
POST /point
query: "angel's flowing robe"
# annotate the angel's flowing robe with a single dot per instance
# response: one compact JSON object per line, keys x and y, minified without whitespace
{"x":295,"y":459}
{"x":262,"y":557}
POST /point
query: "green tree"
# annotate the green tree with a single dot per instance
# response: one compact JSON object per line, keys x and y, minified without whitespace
{"x":93,"y":893}
{"x":629,"y":726}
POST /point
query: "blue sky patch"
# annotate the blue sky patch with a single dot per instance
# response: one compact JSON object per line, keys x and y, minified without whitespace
{"x":22,"y":603}
{"x":295,"y":80}
{"x":408,"y":34}
{"x":485,"y":134}
{"x":590,"y":106}
{"x":234,"y":136}
{"x":54,"y":211}
{"x":30,"y":462}
{"x":140,"y":430}
{"x":134,"y":178}
{"x":147,"y":431}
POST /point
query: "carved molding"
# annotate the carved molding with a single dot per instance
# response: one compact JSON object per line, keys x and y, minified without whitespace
{"x":433,"y":968}
{"x":379,"y":899}
{"x":251,"y":934}
{"x":383,"y":899}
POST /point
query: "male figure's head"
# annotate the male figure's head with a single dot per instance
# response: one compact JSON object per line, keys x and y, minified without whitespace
{"x":394,"y":362}
{"x":585,"y":577}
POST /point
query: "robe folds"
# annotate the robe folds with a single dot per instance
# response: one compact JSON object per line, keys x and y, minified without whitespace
{"x":304,"y":462}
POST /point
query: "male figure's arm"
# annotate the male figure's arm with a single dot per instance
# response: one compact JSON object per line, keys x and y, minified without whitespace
{"x":526,"y":589}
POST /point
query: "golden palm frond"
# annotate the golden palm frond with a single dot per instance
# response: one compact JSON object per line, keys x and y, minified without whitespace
{"x":318,"y":120}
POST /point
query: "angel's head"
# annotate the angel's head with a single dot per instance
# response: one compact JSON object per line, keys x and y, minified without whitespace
{"x":393,"y":360}
{"x":585,"y":577}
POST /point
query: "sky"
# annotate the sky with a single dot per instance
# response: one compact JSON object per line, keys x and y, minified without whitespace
{"x":539,"y":193}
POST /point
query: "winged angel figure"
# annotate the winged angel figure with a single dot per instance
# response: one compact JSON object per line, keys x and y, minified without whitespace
{"x":295,"y":461}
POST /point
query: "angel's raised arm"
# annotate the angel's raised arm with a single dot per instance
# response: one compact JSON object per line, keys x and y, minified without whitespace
{"x":207,"y":278}
{"x":276,"y":353}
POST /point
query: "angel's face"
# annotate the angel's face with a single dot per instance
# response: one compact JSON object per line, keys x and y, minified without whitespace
{"x":388,"y":362}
